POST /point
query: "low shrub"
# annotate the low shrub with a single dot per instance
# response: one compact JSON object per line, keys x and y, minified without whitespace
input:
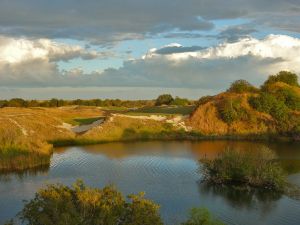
{"x":245,"y":168}
{"x":231,"y":110}
{"x":77,"y":205}
{"x":201,"y":216}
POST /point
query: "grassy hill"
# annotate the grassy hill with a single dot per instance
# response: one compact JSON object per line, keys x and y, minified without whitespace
{"x":243,"y":110}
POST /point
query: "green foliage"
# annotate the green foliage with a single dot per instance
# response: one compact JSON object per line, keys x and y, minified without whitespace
{"x":231,"y":110}
{"x":163,"y":110}
{"x":180,"y":101}
{"x":17,"y":102}
{"x":242,"y":86}
{"x":290,"y":98}
{"x":81,"y":205}
{"x":201,"y":216}
{"x":283,"y":76}
{"x":164,"y":99}
{"x":268,"y":103}
{"x":236,"y":167}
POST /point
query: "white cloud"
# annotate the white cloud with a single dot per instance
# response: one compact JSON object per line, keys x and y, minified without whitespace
{"x":273,"y":46}
{"x":18,"y":50}
{"x":172,"y":66}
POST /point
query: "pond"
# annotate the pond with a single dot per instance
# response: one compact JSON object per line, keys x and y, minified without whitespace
{"x":168,"y":172}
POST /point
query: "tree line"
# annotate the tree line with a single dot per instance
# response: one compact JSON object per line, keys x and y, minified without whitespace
{"x":164,"y":99}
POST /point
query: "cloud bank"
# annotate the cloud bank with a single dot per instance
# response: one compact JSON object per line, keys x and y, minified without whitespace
{"x":33,"y":63}
{"x":109,"y":21}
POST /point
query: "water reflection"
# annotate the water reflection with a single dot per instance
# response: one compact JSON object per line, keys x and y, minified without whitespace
{"x":242,"y":197}
{"x":23,"y":164}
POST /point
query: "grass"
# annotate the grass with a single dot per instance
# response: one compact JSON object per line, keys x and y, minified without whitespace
{"x":164,"y":110}
{"x":84,"y":121}
{"x":256,"y":169}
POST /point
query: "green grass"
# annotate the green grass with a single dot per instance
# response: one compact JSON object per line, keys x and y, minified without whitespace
{"x":114,"y":108}
{"x":164,"y":110}
{"x":83,"y":121}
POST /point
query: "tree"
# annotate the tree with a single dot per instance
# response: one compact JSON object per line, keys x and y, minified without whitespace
{"x":283,"y":76}
{"x":164,"y":99}
{"x":180,"y":101}
{"x":242,"y":86}
{"x":17,"y":102}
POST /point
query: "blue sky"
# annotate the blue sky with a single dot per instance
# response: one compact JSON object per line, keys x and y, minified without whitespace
{"x":192,"y":47}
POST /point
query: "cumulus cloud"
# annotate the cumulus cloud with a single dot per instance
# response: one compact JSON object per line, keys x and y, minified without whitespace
{"x":172,"y":66}
{"x":17,"y":50}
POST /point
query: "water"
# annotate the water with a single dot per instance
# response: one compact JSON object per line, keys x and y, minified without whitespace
{"x":167,"y":172}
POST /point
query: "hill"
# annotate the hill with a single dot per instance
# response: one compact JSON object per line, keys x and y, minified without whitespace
{"x":272,"y":110}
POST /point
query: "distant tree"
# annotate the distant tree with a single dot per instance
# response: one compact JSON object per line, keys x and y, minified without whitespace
{"x":17,"y":102}
{"x":33,"y":103}
{"x":283,"y":76}
{"x":3,"y":103}
{"x":180,"y":101}
{"x":53,"y":102}
{"x":242,"y":86}
{"x":164,"y":99}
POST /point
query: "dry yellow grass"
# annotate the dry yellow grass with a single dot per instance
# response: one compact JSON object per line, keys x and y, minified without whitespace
{"x":30,"y":128}
{"x":119,"y":128}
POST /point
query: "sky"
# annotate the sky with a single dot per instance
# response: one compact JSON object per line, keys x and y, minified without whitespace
{"x":138,"y":49}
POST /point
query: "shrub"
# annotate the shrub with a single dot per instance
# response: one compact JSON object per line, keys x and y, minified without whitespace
{"x":242,"y":86}
{"x":289,"y":97}
{"x":283,"y":76}
{"x":270,"y":104}
{"x":77,"y":205}
{"x":236,"y":167}
{"x":231,"y":110}
{"x":201,"y":216}
{"x":164,"y":99}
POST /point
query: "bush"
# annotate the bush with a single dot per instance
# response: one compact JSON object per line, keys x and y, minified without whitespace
{"x":257,"y":169}
{"x":164,"y":99}
{"x":242,"y":86}
{"x":77,"y":205}
{"x":283,"y":76}
{"x":201,"y":216}
{"x":289,"y":97}
{"x":269,"y":104}
{"x":231,"y":110}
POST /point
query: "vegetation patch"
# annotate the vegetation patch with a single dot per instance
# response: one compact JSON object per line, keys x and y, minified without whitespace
{"x":164,"y":110}
{"x":235,"y":167}
{"x":85,"y":121}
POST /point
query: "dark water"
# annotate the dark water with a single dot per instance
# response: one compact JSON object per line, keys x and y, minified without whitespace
{"x":167,"y":172}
